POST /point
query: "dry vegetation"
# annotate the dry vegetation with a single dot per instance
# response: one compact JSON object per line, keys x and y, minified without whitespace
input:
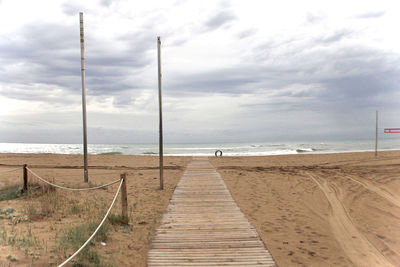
{"x":44,"y":226}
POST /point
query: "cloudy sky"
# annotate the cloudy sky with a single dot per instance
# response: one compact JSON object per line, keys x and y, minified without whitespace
{"x":233,"y":71}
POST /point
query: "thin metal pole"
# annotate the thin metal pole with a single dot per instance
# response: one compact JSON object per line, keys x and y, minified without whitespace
{"x":161,"y":150}
{"x":85,"y":161}
{"x":376,"y":135}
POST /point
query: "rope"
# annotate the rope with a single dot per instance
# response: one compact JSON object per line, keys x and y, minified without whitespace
{"x":68,"y":188}
{"x":98,"y":227}
{"x":11,"y":170}
{"x":92,"y":174}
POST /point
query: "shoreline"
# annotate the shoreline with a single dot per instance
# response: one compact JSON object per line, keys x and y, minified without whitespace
{"x":228,"y":149}
{"x":208,"y":155}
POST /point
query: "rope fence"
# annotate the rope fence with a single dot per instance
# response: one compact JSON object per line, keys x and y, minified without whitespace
{"x":125,"y":218}
{"x":121,"y":188}
{"x":12,"y":170}
{"x":112,"y":172}
{"x":98,"y":227}
{"x":69,"y":188}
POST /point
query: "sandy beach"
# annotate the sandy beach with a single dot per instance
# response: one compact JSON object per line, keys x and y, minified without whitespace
{"x":125,"y":246}
{"x":310,"y":210}
{"x":321,"y":210}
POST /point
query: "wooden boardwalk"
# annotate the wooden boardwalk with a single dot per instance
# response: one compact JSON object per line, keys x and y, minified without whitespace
{"x":203,"y":226}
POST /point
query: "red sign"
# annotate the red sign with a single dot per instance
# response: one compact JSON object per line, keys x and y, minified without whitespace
{"x":392,"y":130}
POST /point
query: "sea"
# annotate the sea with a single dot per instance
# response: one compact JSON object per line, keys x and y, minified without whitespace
{"x":228,"y":149}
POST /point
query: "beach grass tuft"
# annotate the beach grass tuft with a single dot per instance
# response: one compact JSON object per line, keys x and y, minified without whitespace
{"x":74,"y":237}
{"x":115,"y":219}
{"x":10,"y":192}
{"x":19,"y":239}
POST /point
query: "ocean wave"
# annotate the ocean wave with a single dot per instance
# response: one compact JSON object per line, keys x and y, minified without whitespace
{"x":234,"y":154}
{"x":207,"y":148}
{"x":111,"y":153}
{"x":228,"y":149}
{"x":305,"y":150}
{"x":190,"y":148}
{"x":276,"y":145}
{"x":149,"y":153}
{"x":255,"y":146}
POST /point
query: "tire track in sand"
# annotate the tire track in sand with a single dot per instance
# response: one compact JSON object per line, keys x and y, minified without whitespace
{"x":356,"y":246}
{"x":380,"y":191}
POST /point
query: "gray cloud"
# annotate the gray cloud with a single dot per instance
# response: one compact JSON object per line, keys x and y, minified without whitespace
{"x":50,"y":54}
{"x":41,"y":50}
{"x":179,"y":42}
{"x":335,"y":36}
{"x":246,"y":33}
{"x":371,"y":15}
{"x":343,"y":78}
{"x":360,"y":90}
{"x":72,"y":8}
{"x":314,"y":18}
{"x":331,"y":90}
{"x":220,"y":19}
{"x":322,"y":80}
{"x":228,"y":80}
{"x":106,"y":3}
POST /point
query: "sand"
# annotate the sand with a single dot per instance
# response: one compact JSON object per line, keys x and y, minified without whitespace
{"x":126,"y":246}
{"x":310,"y":210}
{"x":321,"y":210}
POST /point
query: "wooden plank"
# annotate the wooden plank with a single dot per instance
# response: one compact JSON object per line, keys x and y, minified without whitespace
{"x":203,"y":226}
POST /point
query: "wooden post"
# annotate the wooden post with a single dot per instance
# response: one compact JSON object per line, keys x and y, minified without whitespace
{"x":376,"y":135}
{"x":161,"y":149}
{"x":85,"y":161}
{"x":124,"y":200}
{"x":25,"y":176}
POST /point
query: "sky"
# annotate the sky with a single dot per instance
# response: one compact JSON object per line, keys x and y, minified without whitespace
{"x":233,"y":71}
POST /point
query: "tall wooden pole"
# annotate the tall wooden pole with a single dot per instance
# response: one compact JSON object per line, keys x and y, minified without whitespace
{"x":376,"y":135}
{"x":161,"y":150}
{"x":85,"y":161}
